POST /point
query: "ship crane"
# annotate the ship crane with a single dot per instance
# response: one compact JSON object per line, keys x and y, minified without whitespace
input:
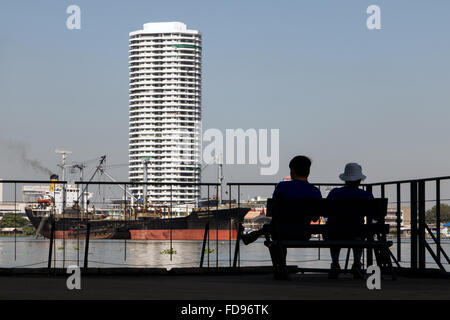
{"x":80,"y":167}
{"x":102,"y":171}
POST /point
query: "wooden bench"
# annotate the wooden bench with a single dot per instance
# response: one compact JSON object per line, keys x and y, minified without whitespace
{"x":346,"y":219}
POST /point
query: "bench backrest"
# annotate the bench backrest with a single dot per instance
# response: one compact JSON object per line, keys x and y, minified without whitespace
{"x":290,"y":216}
{"x":303,"y":210}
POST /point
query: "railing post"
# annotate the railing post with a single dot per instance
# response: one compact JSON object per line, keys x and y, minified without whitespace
{"x":438,"y":218}
{"x":125,"y":218}
{"x":422,"y":262}
{"x":50,"y":250}
{"x":217,"y":228}
{"x":369,"y":221}
{"x":208,"y":224}
{"x":236,"y":247}
{"x":239,"y":195}
{"x":413,"y":225}
{"x":86,"y":245}
{"x":399,"y":212}
{"x":229,"y":237}
{"x":204,"y":244}
{"x":170,"y":221}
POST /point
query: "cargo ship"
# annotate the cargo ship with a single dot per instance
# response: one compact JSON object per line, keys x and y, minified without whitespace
{"x":71,"y":221}
{"x":136,"y":224}
{"x":73,"y":225}
{"x":68,"y":207}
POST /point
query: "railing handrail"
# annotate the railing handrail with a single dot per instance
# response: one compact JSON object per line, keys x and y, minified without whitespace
{"x":342,"y":183}
{"x":112,"y":183}
{"x":33,"y":181}
{"x":218,"y":184}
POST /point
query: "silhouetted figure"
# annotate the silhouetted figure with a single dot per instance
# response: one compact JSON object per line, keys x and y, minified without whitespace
{"x":352,"y":176}
{"x":296,"y":188}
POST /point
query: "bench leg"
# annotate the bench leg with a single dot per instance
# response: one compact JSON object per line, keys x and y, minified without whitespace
{"x":384,"y":261}
{"x":387,"y":254}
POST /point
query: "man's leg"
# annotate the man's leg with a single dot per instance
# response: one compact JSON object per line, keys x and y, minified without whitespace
{"x":334,"y":252}
{"x":254,"y":235}
{"x":335,"y":267}
{"x":357,"y":254}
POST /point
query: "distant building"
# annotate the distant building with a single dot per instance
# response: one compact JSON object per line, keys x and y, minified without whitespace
{"x":11,"y":207}
{"x":10,"y":231}
{"x":256,"y":218}
{"x":391,"y":217}
{"x":31,"y":194}
{"x":165,"y":66}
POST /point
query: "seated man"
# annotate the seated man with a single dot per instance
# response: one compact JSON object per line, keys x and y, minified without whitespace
{"x":297,"y":187}
{"x":352,"y":176}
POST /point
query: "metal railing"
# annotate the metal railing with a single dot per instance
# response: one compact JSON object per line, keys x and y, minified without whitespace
{"x":419,"y":228}
{"x":416,"y":193}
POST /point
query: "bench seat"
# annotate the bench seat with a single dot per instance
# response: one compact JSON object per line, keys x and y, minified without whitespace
{"x":332,"y":243}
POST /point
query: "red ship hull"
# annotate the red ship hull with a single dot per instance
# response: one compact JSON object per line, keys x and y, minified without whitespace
{"x":182,"y":234}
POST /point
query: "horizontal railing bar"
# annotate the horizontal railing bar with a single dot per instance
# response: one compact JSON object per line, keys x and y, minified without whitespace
{"x":408,"y":181}
{"x":218,"y":184}
{"x":275,"y":183}
{"x":340,"y":184}
{"x":33,"y":181}
{"x":148,"y":183}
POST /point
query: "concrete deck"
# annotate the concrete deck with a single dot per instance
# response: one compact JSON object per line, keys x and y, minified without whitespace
{"x":259,"y":286}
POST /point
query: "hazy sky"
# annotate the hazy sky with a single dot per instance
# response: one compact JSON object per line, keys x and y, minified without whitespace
{"x":337,"y":91}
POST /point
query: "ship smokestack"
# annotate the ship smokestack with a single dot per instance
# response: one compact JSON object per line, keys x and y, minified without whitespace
{"x":53,"y":177}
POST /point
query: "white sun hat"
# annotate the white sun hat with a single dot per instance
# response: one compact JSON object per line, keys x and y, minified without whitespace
{"x":352,"y":172}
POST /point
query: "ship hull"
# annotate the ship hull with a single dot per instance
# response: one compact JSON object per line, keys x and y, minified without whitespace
{"x":222,"y":226}
{"x":73,"y":228}
{"x":183,"y":234}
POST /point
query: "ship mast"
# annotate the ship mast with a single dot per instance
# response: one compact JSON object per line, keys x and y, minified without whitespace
{"x":81,"y":167}
{"x":219,"y":176}
{"x":64,"y":155}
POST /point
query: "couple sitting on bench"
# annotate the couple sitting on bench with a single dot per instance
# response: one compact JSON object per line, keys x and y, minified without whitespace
{"x":299,"y":188}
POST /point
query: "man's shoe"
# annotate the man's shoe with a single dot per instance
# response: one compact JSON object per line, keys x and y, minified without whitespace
{"x":334,"y":271}
{"x":249,"y":238}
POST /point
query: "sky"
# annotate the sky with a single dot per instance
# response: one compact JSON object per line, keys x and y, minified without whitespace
{"x":337,"y":91}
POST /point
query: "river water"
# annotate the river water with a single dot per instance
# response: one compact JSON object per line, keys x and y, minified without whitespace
{"x":30,"y":252}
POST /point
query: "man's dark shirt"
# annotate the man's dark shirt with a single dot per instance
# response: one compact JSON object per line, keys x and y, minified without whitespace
{"x":294,"y":189}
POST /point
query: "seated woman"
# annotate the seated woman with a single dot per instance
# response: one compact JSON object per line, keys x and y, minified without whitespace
{"x":352,"y":176}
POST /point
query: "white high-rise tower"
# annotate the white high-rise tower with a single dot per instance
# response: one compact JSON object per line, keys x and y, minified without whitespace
{"x":165,"y":110}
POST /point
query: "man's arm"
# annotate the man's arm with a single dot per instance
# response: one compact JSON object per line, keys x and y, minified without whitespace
{"x":277,"y":192}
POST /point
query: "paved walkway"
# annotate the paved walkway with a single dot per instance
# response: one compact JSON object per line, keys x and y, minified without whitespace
{"x":227,"y":287}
